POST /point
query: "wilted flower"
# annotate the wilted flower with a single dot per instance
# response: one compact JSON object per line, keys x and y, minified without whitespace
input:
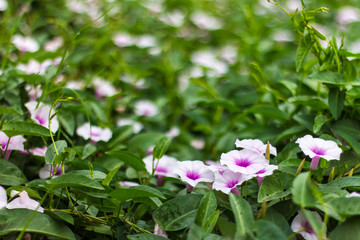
{"x":302,"y":226}
{"x":244,"y":161}
{"x":193,"y":172}
{"x":228,"y":181}
{"x":145,"y":108}
{"x":41,"y":115}
{"x":103,"y":88}
{"x":24,"y":201}
{"x":164,"y":165}
{"x":25,"y":44}
{"x":317,"y":148}
{"x":94,"y":133}
{"x":125,"y":121}
{"x":254,"y":145}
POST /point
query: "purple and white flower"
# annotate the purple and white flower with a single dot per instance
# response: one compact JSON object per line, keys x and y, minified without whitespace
{"x":145,"y":108}
{"x":54,"y":44}
{"x":125,"y":121}
{"x":254,"y":145}
{"x":103,"y":88}
{"x":227,"y":181}
{"x":193,"y":172}
{"x":317,"y":148}
{"x":128,"y":184}
{"x":164,"y":165}
{"x":3,"y":197}
{"x":48,"y":170}
{"x":15,"y":143}
{"x":38,"y":151}
{"x":23,"y":201}
{"x":41,"y":115}
{"x":302,"y":226}
{"x":25,"y":44}
{"x":266,"y":171}
{"x":244,"y":161}
{"x":94,"y":133}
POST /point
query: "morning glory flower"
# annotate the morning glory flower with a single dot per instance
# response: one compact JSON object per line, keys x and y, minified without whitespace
{"x":125,"y":121}
{"x":94,"y":133}
{"x":216,"y":166}
{"x":204,"y":21}
{"x":3,"y":197}
{"x":317,"y":148}
{"x":54,"y":44}
{"x":173,"y":132}
{"x":266,"y":171}
{"x":35,"y":67}
{"x":302,"y":226}
{"x":193,"y":172}
{"x":15,"y":143}
{"x":34,"y":92}
{"x":254,"y":145}
{"x":228,"y":181}
{"x":3,"y":7}
{"x":244,"y":161}
{"x":38,"y":151}
{"x":41,"y":115}
{"x":24,"y":201}
{"x":145,"y":108}
{"x":123,"y":40}
{"x":46,"y":171}
{"x":25,"y":44}
{"x":165,"y":165}
{"x":103,"y":88}
{"x":128,"y":184}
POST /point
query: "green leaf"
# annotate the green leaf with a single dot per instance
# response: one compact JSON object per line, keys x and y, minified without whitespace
{"x":210,"y":222}
{"x":349,"y":131}
{"x":97,"y":109}
{"x":119,"y":135}
{"x":207,"y":206}
{"x":144,"y":236}
{"x":336,"y":101}
{"x":40,"y":223}
{"x":62,"y":216}
{"x":277,"y":218}
{"x":348,"y":230}
{"x":301,"y":54}
{"x":31,"y":78}
{"x":129,"y":158}
{"x":268,"y":230}
{"x":110,"y":176}
{"x":273,"y":187}
{"x":89,"y":150}
{"x":344,"y":182}
{"x":302,"y":191}
{"x":290,"y":132}
{"x":161,"y":147}
{"x":328,"y":77}
{"x":227,"y":228}
{"x":4,"y":110}
{"x":67,"y":121}
{"x":177,"y":213}
{"x":125,"y":193}
{"x":346,"y":206}
{"x":73,"y":180}
{"x":243,"y":216}
{"x":195,"y":232}
{"x":143,"y":141}
{"x":25,"y":128}
{"x":10,"y":174}
{"x":50,"y":154}
{"x":270,"y":112}
{"x":319,"y":121}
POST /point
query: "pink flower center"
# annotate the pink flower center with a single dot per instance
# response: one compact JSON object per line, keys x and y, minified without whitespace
{"x":40,"y":119}
{"x":94,"y":134}
{"x":193,"y":175}
{"x":261,"y":171}
{"x":231,"y":184}
{"x":242,"y":162}
{"x":318,"y":151}
{"x":308,"y":227}
{"x":161,"y":169}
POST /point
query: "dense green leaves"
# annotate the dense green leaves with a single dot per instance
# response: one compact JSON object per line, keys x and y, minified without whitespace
{"x":303,"y":190}
{"x":177,"y":213}
{"x":19,"y":219}
{"x":53,"y":151}
{"x":73,"y":180}
{"x":336,"y":102}
{"x":161,"y":147}
{"x":10,"y":174}
{"x":129,"y":158}
{"x":125,"y":193}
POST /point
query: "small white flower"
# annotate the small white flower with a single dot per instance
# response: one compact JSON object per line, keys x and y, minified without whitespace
{"x":145,"y":108}
{"x":204,"y":21}
{"x":94,"y":133}
{"x":3,"y":5}
{"x":136,"y":125}
{"x":193,"y":172}
{"x":24,"y":201}
{"x":54,"y":44}
{"x":41,"y":115}
{"x":25,"y":44}
{"x":103,"y":88}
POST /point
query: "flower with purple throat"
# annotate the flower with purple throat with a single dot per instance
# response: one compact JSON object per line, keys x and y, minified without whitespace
{"x":94,"y":133}
{"x":40,"y":114}
{"x":303,"y":227}
{"x":227,"y":181}
{"x":49,"y":170}
{"x":244,"y":161}
{"x":15,"y":143}
{"x":164,"y":166}
{"x":23,"y":201}
{"x":266,"y":171}
{"x":25,"y":44}
{"x":145,"y":108}
{"x":317,"y":148}
{"x":254,"y":145}
{"x":193,"y":172}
